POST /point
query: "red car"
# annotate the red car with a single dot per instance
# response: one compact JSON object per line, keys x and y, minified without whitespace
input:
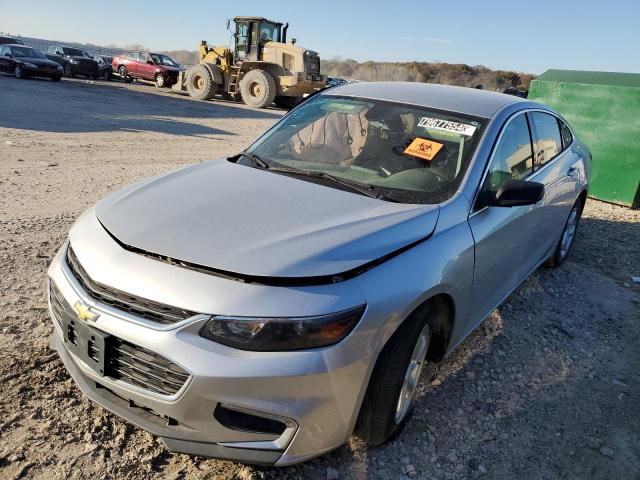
{"x":156,"y":67}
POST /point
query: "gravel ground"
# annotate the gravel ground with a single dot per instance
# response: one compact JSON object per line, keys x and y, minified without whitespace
{"x":548,"y":387}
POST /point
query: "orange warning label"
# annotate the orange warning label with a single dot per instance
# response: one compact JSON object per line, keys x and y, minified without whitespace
{"x":424,"y":149}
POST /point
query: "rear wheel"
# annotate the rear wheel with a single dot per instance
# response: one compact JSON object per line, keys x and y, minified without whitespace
{"x":18,"y":72}
{"x":160,"y":80}
{"x":258,"y":88}
{"x":200,"y":85}
{"x":565,"y":243}
{"x":67,"y":70}
{"x":394,"y":380}
{"x":122,"y":71}
{"x":287,"y":103}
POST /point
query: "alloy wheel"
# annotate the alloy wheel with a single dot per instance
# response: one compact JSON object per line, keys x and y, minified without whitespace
{"x":412,"y":375}
{"x":18,"y":71}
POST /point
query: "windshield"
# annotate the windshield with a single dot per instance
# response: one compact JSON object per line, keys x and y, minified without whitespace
{"x":163,"y":60}
{"x":75,"y":52}
{"x":27,"y":52}
{"x":409,"y":154}
{"x":269,"y":32}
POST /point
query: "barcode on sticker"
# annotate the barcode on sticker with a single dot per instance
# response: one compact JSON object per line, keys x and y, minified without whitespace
{"x":447,"y":126}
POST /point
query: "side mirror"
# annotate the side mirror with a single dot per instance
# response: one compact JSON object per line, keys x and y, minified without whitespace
{"x":150,"y":62}
{"x":516,"y":193}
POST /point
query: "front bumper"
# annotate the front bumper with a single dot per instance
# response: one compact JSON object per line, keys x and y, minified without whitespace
{"x":43,"y":72}
{"x":316,"y":392}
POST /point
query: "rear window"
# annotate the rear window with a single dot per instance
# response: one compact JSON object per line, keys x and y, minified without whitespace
{"x":547,"y":143}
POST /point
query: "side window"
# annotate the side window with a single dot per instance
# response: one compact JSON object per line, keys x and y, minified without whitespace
{"x":546,"y":138}
{"x":565,"y":133}
{"x":512,"y":157}
{"x":145,"y":57}
{"x":4,"y":51}
{"x":134,"y":55}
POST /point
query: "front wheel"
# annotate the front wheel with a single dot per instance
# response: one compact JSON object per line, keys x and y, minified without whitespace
{"x":565,"y":243}
{"x":160,"y":80}
{"x":19,"y":73}
{"x":258,"y":88}
{"x":200,"y":84}
{"x":394,"y":381}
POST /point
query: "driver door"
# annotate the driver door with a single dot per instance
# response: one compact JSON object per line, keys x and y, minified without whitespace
{"x":243,"y":43}
{"x":502,"y":234}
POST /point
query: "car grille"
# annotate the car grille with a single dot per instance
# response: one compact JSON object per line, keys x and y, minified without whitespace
{"x":140,"y":307}
{"x":59,"y":305}
{"x":143,"y":368}
{"x":125,"y":361}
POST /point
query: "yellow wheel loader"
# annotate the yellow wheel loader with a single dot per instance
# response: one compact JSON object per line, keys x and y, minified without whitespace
{"x":261,"y":69}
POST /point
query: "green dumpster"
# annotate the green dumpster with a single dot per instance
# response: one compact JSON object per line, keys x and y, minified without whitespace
{"x":604,"y":110}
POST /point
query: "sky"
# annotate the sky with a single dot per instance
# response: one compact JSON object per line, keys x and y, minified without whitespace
{"x":526,"y":36}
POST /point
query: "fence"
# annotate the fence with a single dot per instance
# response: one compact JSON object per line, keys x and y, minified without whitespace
{"x":43,"y":45}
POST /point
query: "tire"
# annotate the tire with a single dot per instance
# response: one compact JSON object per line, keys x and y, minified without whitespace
{"x":567,"y":237}
{"x":200,"y":85}
{"x":160,"y":80}
{"x":381,"y":416}
{"x":122,"y":71}
{"x":56,"y":79}
{"x":67,"y":70}
{"x":287,"y":103}
{"x":258,"y":88}
{"x":19,"y":73}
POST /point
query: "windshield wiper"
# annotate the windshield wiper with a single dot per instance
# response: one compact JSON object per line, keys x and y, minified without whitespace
{"x":353,"y":186}
{"x":256,"y":160}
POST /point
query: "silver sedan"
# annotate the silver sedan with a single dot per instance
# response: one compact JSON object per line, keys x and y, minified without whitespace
{"x":265,"y":307}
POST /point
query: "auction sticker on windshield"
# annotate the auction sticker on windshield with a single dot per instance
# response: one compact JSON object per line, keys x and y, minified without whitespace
{"x":423,"y":148}
{"x":447,"y":126}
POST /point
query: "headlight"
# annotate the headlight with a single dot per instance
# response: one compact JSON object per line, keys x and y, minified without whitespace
{"x":271,"y":334}
{"x":30,"y":65}
{"x":73,"y":60}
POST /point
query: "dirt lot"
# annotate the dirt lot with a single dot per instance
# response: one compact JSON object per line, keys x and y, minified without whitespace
{"x":548,"y":387}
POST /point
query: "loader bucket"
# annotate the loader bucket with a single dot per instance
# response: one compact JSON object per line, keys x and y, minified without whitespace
{"x":180,"y":85}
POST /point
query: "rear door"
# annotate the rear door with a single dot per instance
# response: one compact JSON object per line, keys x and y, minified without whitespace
{"x":6,"y":62}
{"x":557,"y":166}
{"x":133,"y":63}
{"x":501,"y":234}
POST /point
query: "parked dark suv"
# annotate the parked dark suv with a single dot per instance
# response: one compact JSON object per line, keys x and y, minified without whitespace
{"x":104,"y":64}
{"x":10,"y":40}
{"x":74,"y":61}
{"x":158,"y":68}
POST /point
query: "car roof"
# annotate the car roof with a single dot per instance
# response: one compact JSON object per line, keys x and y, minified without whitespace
{"x":14,"y":45}
{"x":471,"y":101}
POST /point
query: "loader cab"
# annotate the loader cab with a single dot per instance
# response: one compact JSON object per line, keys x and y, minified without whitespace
{"x":251,"y":33}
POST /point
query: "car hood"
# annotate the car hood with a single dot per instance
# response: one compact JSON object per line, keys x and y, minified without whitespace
{"x":241,"y":220}
{"x":171,"y":69}
{"x":81,"y":57}
{"x":39,"y":61}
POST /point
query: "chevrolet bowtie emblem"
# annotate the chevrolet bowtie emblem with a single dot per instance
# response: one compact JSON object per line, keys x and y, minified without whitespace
{"x":84,"y":312}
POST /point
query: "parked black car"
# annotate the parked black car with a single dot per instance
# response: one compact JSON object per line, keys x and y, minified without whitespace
{"x":74,"y":61}
{"x":104,"y":64}
{"x":10,"y":40}
{"x":25,"y":62}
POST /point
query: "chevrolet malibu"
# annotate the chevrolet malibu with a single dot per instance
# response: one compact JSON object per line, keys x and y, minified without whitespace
{"x":265,"y":307}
